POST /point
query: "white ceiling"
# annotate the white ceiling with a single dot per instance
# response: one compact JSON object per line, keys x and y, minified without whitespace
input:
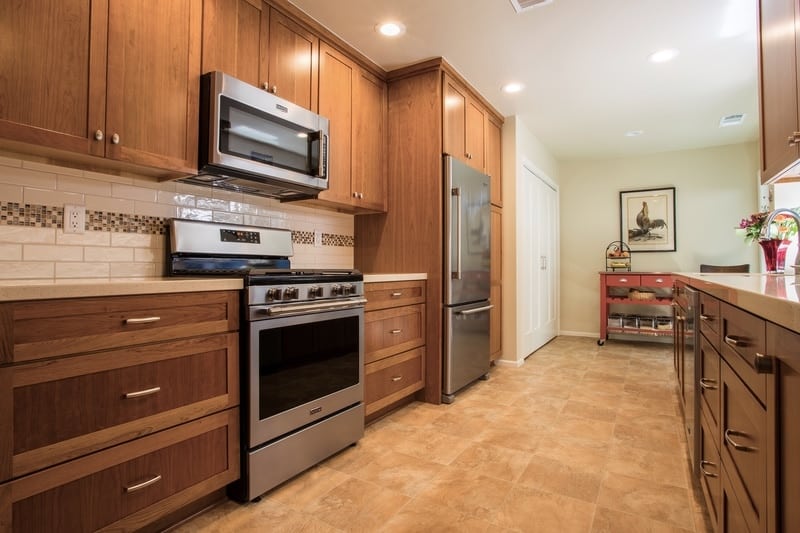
{"x":583,"y":62}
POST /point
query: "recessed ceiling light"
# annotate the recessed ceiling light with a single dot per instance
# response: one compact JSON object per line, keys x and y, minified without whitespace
{"x":633,"y":133}
{"x":513,"y":87}
{"x":390,"y":29}
{"x":662,"y":56}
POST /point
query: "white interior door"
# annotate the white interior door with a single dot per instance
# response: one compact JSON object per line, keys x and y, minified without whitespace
{"x":537,"y":266}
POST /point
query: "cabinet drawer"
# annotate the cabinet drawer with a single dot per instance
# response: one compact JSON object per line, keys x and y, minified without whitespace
{"x":743,"y":335}
{"x":392,"y":331}
{"x":71,"y":406}
{"x":393,"y":378}
{"x":623,"y":280}
{"x":128,"y":486}
{"x":710,"y":469}
{"x":60,"y":327}
{"x":743,"y":443}
{"x":656,"y":280}
{"x":393,"y":294}
{"x":733,"y":517}
{"x":710,"y":318}
{"x":709,"y":383}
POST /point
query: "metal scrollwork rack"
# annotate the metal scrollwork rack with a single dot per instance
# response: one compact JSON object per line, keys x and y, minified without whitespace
{"x":618,"y":256}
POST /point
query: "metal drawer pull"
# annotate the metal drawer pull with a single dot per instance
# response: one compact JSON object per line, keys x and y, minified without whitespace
{"x":705,"y":318}
{"x":143,"y":484}
{"x":396,"y":294}
{"x":623,"y":280}
{"x":395,"y":331}
{"x":706,"y":472}
{"x":145,"y":320}
{"x":397,"y":378}
{"x":736,"y":446}
{"x":708,"y":384}
{"x":733,"y":341}
{"x":140,"y":393}
{"x":764,"y":363}
{"x":659,"y":280}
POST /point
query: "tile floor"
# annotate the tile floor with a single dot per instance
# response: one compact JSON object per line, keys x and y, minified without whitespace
{"x":581,"y":438}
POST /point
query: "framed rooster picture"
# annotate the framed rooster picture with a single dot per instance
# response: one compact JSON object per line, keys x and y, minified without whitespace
{"x":647,"y":219}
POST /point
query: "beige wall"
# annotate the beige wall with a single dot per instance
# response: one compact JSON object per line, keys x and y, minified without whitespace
{"x":715,"y":188}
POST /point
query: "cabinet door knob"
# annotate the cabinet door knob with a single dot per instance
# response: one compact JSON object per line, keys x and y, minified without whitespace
{"x":115,"y":138}
{"x":764,"y":364}
{"x":98,"y":135}
{"x":794,"y":138}
{"x":274,"y":89}
{"x":468,"y":155}
{"x":265,"y":86}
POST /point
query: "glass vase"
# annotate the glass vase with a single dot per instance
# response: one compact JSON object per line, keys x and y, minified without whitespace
{"x":774,"y":254}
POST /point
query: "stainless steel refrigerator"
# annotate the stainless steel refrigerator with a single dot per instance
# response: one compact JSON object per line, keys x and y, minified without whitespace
{"x":467,"y":237}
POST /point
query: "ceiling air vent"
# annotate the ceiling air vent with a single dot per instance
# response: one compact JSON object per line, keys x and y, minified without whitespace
{"x":731,"y":120}
{"x":524,"y":5}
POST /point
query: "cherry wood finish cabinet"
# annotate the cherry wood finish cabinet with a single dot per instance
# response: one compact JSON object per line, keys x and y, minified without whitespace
{"x":107,"y":78}
{"x":464,"y":125}
{"x":494,"y":158}
{"x":779,"y":93}
{"x":394,"y":343}
{"x":116,"y":411}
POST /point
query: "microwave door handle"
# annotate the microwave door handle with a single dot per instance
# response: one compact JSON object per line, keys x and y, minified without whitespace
{"x":323,"y":156}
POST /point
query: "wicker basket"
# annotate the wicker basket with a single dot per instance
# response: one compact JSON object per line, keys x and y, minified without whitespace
{"x":638,"y":294}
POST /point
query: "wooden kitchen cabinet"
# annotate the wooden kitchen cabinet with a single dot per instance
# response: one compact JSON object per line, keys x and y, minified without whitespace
{"x":107,"y":78}
{"x":778,"y":78}
{"x":464,"y":125}
{"x":494,"y":158}
{"x":292,"y":67}
{"x":496,"y":285}
{"x":394,"y":343}
{"x":99,"y":394}
{"x":355,"y":103}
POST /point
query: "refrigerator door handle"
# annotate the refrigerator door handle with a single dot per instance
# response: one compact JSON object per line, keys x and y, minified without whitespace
{"x":456,"y":191}
{"x":475,"y":311}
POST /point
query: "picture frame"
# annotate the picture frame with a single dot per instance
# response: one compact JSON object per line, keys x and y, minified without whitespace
{"x":647,"y":219}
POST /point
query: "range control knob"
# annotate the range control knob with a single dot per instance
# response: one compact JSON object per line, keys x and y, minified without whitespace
{"x":336,"y":290}
{"x":315,"y":292}
{"x":273,"y":294}
{"x":291,"y":293}
{"x":348,"y":289}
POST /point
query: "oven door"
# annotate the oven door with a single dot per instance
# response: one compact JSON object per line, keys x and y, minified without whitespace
{"x":303,"y":368}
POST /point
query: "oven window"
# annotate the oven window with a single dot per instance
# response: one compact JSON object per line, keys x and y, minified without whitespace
{"x":252,"y":134}
{"x":304,"y":362}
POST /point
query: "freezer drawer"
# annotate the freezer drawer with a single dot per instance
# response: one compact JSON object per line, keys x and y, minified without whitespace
{"x":466,"y":346}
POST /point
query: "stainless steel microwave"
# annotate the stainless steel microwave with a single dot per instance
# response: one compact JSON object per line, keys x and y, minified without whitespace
{"x":255,"y":142}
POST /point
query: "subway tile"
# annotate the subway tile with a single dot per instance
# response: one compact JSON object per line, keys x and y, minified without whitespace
{"x":82,"y":270}
{"x":24,"y":234}
{"x":194,"y":190}
{"x":108,"y":204}
{"x":212,"y":203}
{"x":27,"y":178}
{"x":89,"y":238}
{"x":8,"y":161}
{"x":137,"y":240}
{"x":244,"y":208}
{"x":11,"y":193}
{"x":153,"y":183}
{"x":227,"y":196}
{"x":228,"y":218}
{"x":254,"y":220}
{"x":26,"y":270}
{"x":148,"y":255}
{"x":51,"y":169}
{"x":154,"y":210}
{"x":49,"y":197}
{"x":110,"y":254}
{"x":50,"y":252}
{"x":130,"y":192}
{"x":132,"y":270}
{"x":10,"y":252}
{"x":195,"y":214}
{"x":83,"y":185}
{"x":176,"y":198}
{"x":110,"y":178}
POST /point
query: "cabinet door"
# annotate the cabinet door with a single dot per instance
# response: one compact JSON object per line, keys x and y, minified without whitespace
{"x":455,"y":104}
{"x":232,"y":35}
{"x":292,"y":64}
{"x":778,"y":94}
{"x":496,"y":285}
{"x":369,"y":142}
{"x":336,"y":102}
{"x":475,"y":133}
{"x":153,"y":82}
{"x":52,"y":91}
{"x":494,"y":133}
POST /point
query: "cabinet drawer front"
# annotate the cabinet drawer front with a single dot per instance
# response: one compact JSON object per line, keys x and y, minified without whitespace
{"x":393,"y":378}
{"x":710,"y":318}
{"x":735,"y":515}
{"x":393,"y":294}
{"x":623,"y":280}
{"x":743,"y":440}
{"x":392,"y":331}
{"x":128,"y":485}
{"x":75,"y":405}
{"x":710,"y":469}
{"x":656,"y":280}
{"x":743,"y":335}
{"x":709,"y":385}
{"x":60,"y":327}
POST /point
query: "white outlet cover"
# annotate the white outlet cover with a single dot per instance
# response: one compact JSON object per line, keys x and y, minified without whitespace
{"x":74,"y":218}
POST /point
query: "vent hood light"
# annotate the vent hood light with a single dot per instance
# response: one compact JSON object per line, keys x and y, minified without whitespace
{"x":512,"y":87}
{"x":662,"y":56}
{"x":390,"y":29}
{"x":731,"y":120}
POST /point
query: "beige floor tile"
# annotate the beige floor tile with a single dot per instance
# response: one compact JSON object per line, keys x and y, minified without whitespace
{"x":667,"y":468}
{"x":531,"y":510}
{"x":357,"y":506}
{"x":583,"y":428}
{"x":421,"y":515}
{"x":431,"y":446}
{"x":647,"y":439}
{"x":399,"y":472}
{"x":514,"y":437}
{"x":562,"y":478}
{"x":308,"y":487}
{"x":493,"y":461}
{"x":610,"y":521}
{"x":590,"y":410}
{"x":662,"y":503}
{"x":588,"y":454}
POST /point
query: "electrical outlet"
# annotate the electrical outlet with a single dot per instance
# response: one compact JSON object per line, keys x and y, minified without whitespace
{"x":74,"y":218}
{"x":317,"y":237}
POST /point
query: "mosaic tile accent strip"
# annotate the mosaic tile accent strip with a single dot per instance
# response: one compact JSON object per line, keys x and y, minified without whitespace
{"x":42,"y":216}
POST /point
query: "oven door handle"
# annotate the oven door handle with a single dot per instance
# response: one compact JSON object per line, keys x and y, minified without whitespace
{"x":277,"y":310}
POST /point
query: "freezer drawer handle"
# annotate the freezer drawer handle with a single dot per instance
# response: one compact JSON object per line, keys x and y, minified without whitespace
{"x":476,"y":310}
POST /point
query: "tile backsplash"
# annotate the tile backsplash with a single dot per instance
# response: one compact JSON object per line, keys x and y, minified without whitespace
{"x":126,"y":218}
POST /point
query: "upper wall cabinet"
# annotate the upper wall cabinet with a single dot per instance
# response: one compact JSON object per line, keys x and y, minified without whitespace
{"x":255,"y":43}
{"x":106,"y":78}
{"x":494,"y":167}
{"x":464,"y":125}
{"x":780,"y":122}
{"x":355,"y":103}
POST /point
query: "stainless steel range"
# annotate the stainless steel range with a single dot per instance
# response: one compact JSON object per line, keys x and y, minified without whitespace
{"x":302,"y":346}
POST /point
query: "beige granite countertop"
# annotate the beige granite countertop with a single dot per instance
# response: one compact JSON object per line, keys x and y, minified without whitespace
{"x":771,"y":296}
{"x":378,"y":278}
{"x":42,"y":289}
